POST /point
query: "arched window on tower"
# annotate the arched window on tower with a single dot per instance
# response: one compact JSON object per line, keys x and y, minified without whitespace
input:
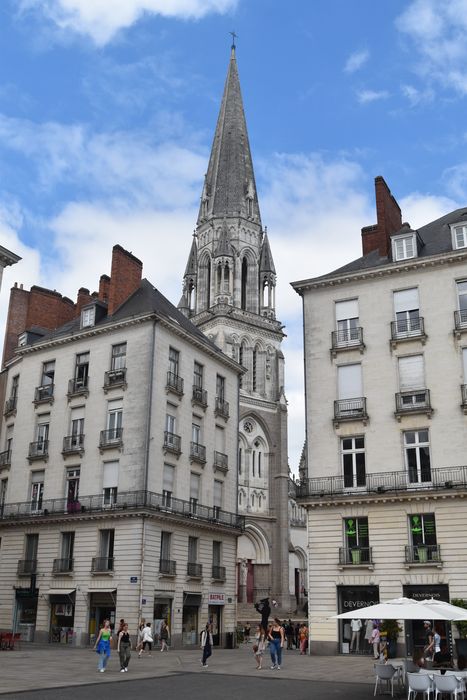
{"x":259,"y":464}
{"x":250,"y":206}
{"x":191,"y":295}
{"x":241,"y":359}
{"x":240,"y":498}
{"x":265,"y":293}
{"x":259,"y":501}
{"x":254,"y":368}
{"x":240,"y":460}
{"x":244,"y":283}
{"x":219,"y":278}
{"x":253,"y":500}
{"x":226,"y":283}
{"x":208,"y":284}
{"x":253,"y":463}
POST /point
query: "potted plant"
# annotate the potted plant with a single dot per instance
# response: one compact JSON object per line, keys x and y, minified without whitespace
{"x":391,"y":629}
{"x":356,"y":554}
{"x":422,"y":551}
{"x":461,"y":643}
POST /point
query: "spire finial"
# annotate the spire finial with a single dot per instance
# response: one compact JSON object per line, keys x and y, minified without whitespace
{"x":234,"y":36}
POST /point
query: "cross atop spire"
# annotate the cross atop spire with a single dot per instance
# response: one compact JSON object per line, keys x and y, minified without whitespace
{"x":234,"y":36}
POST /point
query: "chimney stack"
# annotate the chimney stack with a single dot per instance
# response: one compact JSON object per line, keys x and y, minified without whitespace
{"x":83,"y":298}
{"x":389,"y":218}
{"x":104,"y":286}
{"x":125,"y":277}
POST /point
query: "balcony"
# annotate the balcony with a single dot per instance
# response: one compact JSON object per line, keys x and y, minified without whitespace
{"x":218,"y":573}
{"x":172,"y":443}
{"x":102,"y":565}
{"x":350,"y":409}
{"x":411,"y":402}
{"x":111,"y":438}
{"x":199,"y":396}
{"x":147,"y":502}
{"x":194,"y":570}
{"x":221,"y":462}
{"x":298,"y":522}
{"x":78,"y":387}
{"x":423,"y":554}
{"x":347,"y":339}
{"x":355,"y":556}
{"x":10,"y":406}
{"x":27,"y":567}
{"x":167,"y":567}
{"x":440,"y":480}
{"x":221,"y":408}
{"x":62,"y":566}
{"x":73,"y":444}
{"x":197,"y":453}
{"x":464,"y":397}
{"x":174,"y":383}
{"x":460,"y":322}
{"x":38,"y":450}
{"x":114,"y":379}
{"x":408,"y":329}
{"x":5,"y":458}
{"x":44,"y":394}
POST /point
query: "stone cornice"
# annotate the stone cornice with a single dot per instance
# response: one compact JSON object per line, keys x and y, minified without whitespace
{"x":207,"y":320}
{"x":359,"y":500}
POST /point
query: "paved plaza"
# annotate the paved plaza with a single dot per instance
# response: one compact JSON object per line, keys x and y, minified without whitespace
{"x":59,"y":672}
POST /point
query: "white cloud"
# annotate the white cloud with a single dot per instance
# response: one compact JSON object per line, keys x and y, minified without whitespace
{"x":456,"y":181}
{"x":356,"y":60}
{"x":102,"y":19}
{"x":416,"y":96}
{"x":436,"y":31}
{"x":366,"y":96}
{"x":420,"y":209}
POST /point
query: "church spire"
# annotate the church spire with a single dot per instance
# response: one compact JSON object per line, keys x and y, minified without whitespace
{"x":229,"y":187}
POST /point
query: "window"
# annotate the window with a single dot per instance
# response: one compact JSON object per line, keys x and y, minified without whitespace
{"x":349,"y":381}
{"x":353,"y":461}
{"x":81,"y":370}
{"x":240,"y":457}
{"x":48,"y":373}
{"x":118,"y":359}
{"x":42,"y":434}
{"x":3,"y":492}
{"x":244,"y":284}
{"x":217,"y":497}
{"x":192,"y":550}
{"x":459,"y":236}
{"x":174,"y":359}
{"x":407,"y":312}
{"x":168,"y":484}
{"x":72,"y":486}
{"x":423,"y":537}
{"x":216,"y":553}
{"x":170,"y":423}
{"x":110,"y":483}
{"x":253,"y":463}
{"x":255,"y":369}
{"x":195,"y":482}
{"x":31,"y":545}
{"x":114,"y":420}
{"x":259,"y":465}
{"x":37,"y":490}
{"x":464,"y":363}
{"x":417,"y":456}
{"x":196,"y":433}
{"x":88,"y":317}
{"x":220,"y":387}
{"x":462,"y":300}
{"x":77,"y":427}
{"x":347,"y":321}
{"x":14,"y":387}
{"x":165,"y":546}
{"x":404,"y":247}
{"x":67,"y":547}
{"x":411,"y":372}
{"x":356,"y":533}
{"x":106,"y":549}
{"x":198,"y":375}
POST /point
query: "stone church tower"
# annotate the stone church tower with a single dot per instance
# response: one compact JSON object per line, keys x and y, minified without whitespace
{"x":229,"y":293}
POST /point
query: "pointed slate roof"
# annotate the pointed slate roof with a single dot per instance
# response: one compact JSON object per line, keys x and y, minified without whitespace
{"x":230,"y":179}
{"x":192,"y":264}
{"x":266,"y":263}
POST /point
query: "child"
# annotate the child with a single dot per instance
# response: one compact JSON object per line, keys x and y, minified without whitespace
{"x":259,"y":647}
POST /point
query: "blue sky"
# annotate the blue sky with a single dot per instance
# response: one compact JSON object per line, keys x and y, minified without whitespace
{"x":108,"y":107}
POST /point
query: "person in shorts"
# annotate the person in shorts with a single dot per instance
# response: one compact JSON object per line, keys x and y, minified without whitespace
{"x":259,"y":646}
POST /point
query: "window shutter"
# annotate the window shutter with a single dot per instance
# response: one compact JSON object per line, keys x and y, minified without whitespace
{"x":350,"y":381}
{"x":406,"y":300}
{"x":37,"y":477}
{"x":411,"y":373}
{"x":110,"y":475}
{"x":346,"y":309}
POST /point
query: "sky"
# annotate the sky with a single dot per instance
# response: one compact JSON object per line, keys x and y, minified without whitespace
{"x":108,"y":109}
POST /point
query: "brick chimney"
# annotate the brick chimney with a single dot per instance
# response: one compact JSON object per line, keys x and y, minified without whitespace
{"x":125,"y":277}
{"x":84,"y":297}
{"x":389,"y":217}
{"x":104,"y":286}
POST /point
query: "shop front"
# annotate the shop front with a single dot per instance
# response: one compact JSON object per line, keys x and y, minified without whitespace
{"x":62,"y":615}
{"x":102,"y":606}
{"x":190,"y":619}
{"x":414,"y":629}
{"x":216,"y":602}
{"x":352,"y":598}
{"x":26,"y":600}
{"x":162,"y":611}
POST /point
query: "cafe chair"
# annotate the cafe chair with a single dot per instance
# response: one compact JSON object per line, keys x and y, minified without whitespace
{"x":419,"y":683}
{"x":448,"y":685}
{"x":385,"y":672}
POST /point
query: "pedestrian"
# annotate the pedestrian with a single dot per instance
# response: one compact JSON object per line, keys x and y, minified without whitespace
{"x":289,"y":631}
{"x":246,"y":633}
{"x":259,"y":646}
{"x":296,"y":635}
{"x":124,"y":648}
{"x":102,"y":646}
{"x":206,"y":644}
{"x":303,"y":638}
{"x":429,"y":641}
{"x":139,"y":644}
{"x":147,"y":640}
{"x":164,"y":636}
{"x":375,"y":640}
{"x":276,"y":643}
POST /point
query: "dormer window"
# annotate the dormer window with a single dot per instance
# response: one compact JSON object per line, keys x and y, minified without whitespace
{"x":459,"y":236}
{"x":404,"y":247}
{"x":88,"y":317}
{"x":22,"y":339}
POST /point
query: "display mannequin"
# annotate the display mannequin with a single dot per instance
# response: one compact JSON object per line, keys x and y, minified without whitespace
{"x":355,"y":626}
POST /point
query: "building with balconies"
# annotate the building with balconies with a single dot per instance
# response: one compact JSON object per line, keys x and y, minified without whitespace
{"x":383,"y":479}
{"x":118,"y":488}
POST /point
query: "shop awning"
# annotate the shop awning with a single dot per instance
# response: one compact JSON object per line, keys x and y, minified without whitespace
{"x":102,"y":590}
{"x":61,"y":595}
{"x":110,"y":592}
{"x":61,"y":591}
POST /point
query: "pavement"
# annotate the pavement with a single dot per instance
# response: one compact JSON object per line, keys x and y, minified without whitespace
{"x":37,"y":667}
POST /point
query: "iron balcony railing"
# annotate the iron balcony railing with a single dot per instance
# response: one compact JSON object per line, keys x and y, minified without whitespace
{"x":73,"y":443}
{"x":111,"y":438}
{"x":44,"y":393}
{"x":27,"y":567}
{"x":460,"y":319}
{"x":156,"y":503}
{"x":194,"y":570}
{"x":167,"y":567}
{"x":39,"y":449}
{"x":406,"y":328}
{"x":199,"y":396}
{"x":102,"y":564}
{"x":415,"y":401}
{"x":174,"y":383}
{"x":464,"y":395}
{"x":221,"y":461}
{"x":350,"y":409}
{"x":197,"y":452}
{"x":5,"y":458}
{"x":298,"y":522}
{"x":115,"y":377}
{"x":221,"y":407}
{"x":218,"y":573}
{"x":10,"y":405}
{"x":78,"y":386}
{"x":62,"y":566}
{"x":353,"y":556}
{"x":172,"y":442}
{"x":428,"y":479}
{"x":347,"y":338}
{"x":422,"y":553}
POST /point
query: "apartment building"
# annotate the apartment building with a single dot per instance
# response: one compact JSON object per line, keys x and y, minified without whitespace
{"x":118,"y":467}
{"x":386,"y":402}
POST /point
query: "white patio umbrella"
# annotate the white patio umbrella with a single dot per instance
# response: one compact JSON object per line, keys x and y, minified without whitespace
{"x":450,"y":612}
{"x":405,"y":609}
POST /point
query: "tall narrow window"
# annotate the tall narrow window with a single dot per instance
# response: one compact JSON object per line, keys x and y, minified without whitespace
{"x":81,"y":370}
{"x":110,"y":483}
{"x":196,"y":433}
{"x":462,"y":301}
{"x":67,"y":551}
{"x":118,"y":360}
{"x":72,"y":487}
{"x":192,"y":550}
{"x":407,"y":312}
{"x":417,"y":456}
{"x":198,"y":375}
{"x":31,"y":545}
{"x":423,"y":537}
{"x":174,"y":360}
{"x":37,"y":490}
{"x":353,"y":461}
{"x":460,"y":236}
{"x":220,"y":387}
{"x":259,"y":465}
{"x":195,"y":482}
{"x":168,"y":484}
{"x":217,"y":497}
{"x":240,"y":457}
{"x":255,"y":370}
{"x":3,"y":492}
{"x":114,"y":420}
{"x":106,"y":549}
{"x":166,"y":541}
{"x":48,"y":373}
{"x":253,"y":463}
{"x":216,"y":553}
{"x":349,"y":381}
{"x":244,"y":284}
{"x":357,"y":540}
{"x":226,"y":281}
{"x":347,"y":321}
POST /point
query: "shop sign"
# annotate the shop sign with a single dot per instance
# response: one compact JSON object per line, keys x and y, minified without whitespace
{"x":216,"y":599}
